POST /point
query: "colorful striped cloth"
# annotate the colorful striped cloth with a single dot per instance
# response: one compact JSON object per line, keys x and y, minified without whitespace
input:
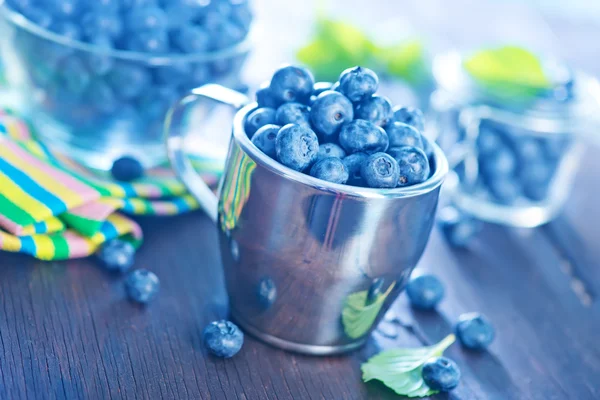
{"x":53,"y":208}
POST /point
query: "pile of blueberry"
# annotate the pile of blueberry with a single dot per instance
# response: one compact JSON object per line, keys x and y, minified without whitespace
{"x":342,"y":133}
{"x":86,"y":87}
{"x":514,"y":164}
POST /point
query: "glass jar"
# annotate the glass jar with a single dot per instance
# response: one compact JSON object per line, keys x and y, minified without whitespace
{"x":97,"y":104}
{"x":513,"y":157}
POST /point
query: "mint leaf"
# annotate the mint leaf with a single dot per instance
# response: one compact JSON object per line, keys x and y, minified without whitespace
{"x":357,"y":316}
{"x":400,"y":369}
{"x":405,"y":60}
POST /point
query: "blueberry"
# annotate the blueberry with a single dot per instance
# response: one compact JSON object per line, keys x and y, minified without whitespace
{"x":142,"y":285}
{"x":363,"y":136}
{"x":380,"y":170}
{"x":226,"y":35}
{"x":62,"y":9}
{"x":259,"y":118}
{"x":150,"y":18}
{"x":411,"y":116}
{"x":488,"y":141}
{"x":528,"y":149}
{"x":155,"y":102}
{"x":223,"y":338}
{"x":293,"y":113}
{"x":100,"y":96}
{"x":353,"y":164}
{"x":502,"y":163}
{"x":330,"y":150}
{"x":413,"y":164}
{"x":535,"y":178}
{"x":265,"y":98}
{"x":38,"y":16}
{"x":264,"y":139}
{"x":75,"y":76}
{"x":441,"y":373}
{"x":376,"y":109}
{"x":458,"y":228}
{"x":330,"y":169}
{"x":504,"y":190}
{"x":292,"y":83}
{"x":241,"y":15}
{"x":267,"y":292}
{"x":191,"y":39}
{"x":101,"y":24}
{"x":425,"y":291}
{"x":401,"y":134}
{"x":19,"y":5}
{"x":474,"y":331}
{"x":198,"y":76}
{"x":555,"y":147}
{"x":117,"y":255}
{"x":103,"y":5}
{"x":173,"y":75}
{"x":128,"y":80}
{"x":68,"y":30}
{"x":296,"y":147}
{"x":358,"y":83}
{"x":100,"y":64}
{"x":328,"y":113}
{"x":127,"y":169}
{"x":154,"y":41}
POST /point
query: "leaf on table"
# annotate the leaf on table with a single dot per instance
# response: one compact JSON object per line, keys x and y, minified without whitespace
{"x":508,"y":70}
{"x":358,"y":316}
{"x":405,"y":60}
{"x":400,"y":369}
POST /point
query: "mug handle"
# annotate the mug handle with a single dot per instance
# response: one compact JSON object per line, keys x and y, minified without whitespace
{"x":175,"y":140}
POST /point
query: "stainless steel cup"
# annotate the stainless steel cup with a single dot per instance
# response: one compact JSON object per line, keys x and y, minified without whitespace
{"x":310,"y":266}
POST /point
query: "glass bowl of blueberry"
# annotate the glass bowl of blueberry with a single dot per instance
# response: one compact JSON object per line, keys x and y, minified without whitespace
{"x":96,"y":78}
{"x":514,"y":158}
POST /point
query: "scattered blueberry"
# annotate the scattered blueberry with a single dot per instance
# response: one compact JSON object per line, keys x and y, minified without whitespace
{"x":328,"y":113}
{"x":296,"y":147}
{"x":259,"y":118}
{"x":264,"y":139}
{"x":458,"y":228}
{"x":441,"y":373}
{"x":413,"y":165}
{"x":353,"y":164}
{"x":363,"y":136}
{"x":293,"y":113}
{"x":475,"y":331}
{"x":292,"y":83}
{"x":425,"y":291}
{"x":377,"y":109}
{"x":223,"y":338}
{"x":411,"y":116}
{"x":401,"y":134}
{"x":127,"y":169}
{"x":142,"y":285}
{"x":330,"y":169}
{"x":358,"y":83}
{"x":380,"y":170}
{"x":330,"y":150}
{"x":117,"y":255}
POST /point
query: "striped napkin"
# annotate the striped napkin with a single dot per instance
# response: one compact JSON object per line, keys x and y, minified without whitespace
{"x":53,"y":208}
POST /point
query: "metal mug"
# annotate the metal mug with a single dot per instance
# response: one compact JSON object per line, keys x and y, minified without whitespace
{"x":310,"y":266}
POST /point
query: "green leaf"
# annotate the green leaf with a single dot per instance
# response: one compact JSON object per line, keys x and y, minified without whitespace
{"x":508,"y":71}
{"x":358,"y":316}
{"x":400,"y":369}
{"x":405,"y":60}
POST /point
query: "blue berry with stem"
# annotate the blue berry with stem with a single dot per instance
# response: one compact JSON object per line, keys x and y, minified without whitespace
{"x":117,"y":255}
{"x":293,"y":113}
{"x":358,"y":83}
{"x":474,"y":331}
{"x":264,"y":139}
{"x":223,"y":338}
{"x":127,"y":169}
{"x":377,"y":109}
{"x":411,"y":116}
{"x":291,"y":83}
{"x":363,"y":136}
{"x":413,"y":165}
{"x":425,"y":291}
{"x":330,"y":169}
{"x":441,"y":373}
{"x":328,"y":113}
{"x":353,"y":164}
{"x":380,"y":170}
{"x":142,"y":285}
{"x":401,"y":134}
{"x":330,"y":150}
{"x":296,"y":146}
{"x":259,"y":118}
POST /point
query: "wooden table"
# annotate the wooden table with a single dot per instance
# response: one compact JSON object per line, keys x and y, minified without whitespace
{"x":67,"y":332}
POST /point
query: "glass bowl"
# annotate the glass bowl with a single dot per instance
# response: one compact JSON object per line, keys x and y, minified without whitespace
{"x":94,"y":104}
{"x":513,"y":159}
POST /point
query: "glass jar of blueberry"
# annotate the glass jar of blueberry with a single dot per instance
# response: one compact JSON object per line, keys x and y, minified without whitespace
{"x":514,"y":156}
{"x":97,"y":77}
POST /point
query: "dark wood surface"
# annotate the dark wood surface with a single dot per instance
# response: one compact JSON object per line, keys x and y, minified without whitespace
{"x":68,"y":332}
